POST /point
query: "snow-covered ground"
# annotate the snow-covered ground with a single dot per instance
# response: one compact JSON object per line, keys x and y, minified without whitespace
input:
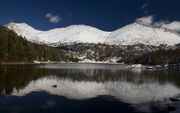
{"x":131,"y":34}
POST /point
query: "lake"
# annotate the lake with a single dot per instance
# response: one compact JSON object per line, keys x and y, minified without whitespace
{"x":85,"y":88}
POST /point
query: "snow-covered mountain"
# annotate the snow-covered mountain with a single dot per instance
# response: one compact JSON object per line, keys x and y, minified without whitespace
{"x":131,"y":34}
{"x":71,"y":34}
{"x":138,"y":33}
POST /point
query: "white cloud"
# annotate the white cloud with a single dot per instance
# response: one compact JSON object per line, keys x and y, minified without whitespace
{"x":145,"y":4}
{"x":174,"y":26}
{"x":53,"y":18}
{"x":148,"y":20}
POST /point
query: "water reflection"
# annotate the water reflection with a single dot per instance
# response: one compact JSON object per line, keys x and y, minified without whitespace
{"x":124,"y":91}
{"x":87,"y":81}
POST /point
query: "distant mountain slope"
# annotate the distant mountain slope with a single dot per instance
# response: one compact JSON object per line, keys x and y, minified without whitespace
{"x":14,"y":49}
{"x":135,"y":33}
{"x":71,"y":34}
{"x":161,"y":56}
{"x":138,"y":33}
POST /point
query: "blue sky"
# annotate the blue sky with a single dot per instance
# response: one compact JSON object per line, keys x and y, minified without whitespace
{"x":104,"y":14}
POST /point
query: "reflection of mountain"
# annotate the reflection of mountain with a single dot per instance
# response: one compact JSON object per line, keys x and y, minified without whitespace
{"x":128,"y":92}
{"x":83,"y":83}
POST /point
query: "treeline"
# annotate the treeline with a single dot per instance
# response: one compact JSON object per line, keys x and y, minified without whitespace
{"x":162,"y":56}
{"x":15,"y":48}
{"x":131,"y":54}
{"x":104,"y":52}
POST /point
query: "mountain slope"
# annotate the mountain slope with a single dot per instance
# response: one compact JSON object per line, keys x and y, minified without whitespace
{"x":71,"y":34}
{"x":138,"y":33}
{"x":131,"y":34}
{"x":14,"y":49}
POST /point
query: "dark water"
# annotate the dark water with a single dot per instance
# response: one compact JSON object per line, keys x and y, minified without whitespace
{"x":85,"y":88}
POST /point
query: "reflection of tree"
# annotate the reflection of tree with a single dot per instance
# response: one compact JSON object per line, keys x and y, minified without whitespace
{"x":20,"y":76}
{"x":17,"y":77}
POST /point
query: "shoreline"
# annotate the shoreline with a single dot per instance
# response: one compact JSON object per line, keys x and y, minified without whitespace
{"x":62,"y":62}
{"x":133,"y":66}
{"x":26,"y":63}
{"x":58,"y":62}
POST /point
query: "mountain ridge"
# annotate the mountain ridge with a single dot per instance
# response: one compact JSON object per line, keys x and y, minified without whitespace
{"x":132,"y":34}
